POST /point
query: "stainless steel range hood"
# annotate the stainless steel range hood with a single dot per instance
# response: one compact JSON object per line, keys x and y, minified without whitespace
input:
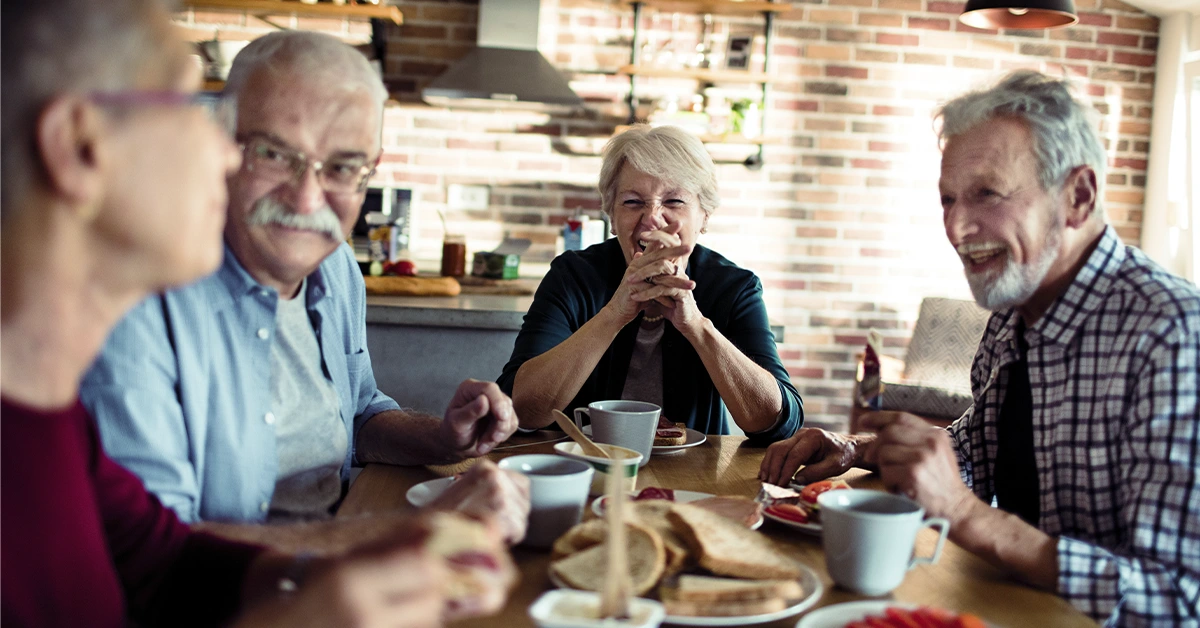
{"x":505,"y":70}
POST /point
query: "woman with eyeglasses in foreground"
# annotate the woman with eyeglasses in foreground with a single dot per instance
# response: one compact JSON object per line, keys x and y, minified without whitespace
{"x":113,"y":188}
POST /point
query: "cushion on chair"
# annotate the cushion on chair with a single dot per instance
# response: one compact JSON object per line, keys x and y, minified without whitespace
{"x":943,"y":344}
{"x":941,"y":404}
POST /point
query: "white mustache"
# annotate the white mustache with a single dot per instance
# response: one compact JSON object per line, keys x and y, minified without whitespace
{"x":268,"y":211}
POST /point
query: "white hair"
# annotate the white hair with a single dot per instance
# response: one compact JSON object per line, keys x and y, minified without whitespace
{"x":1064,"y":135}
{"x":317,"y":57}
{"x":668,"y":153}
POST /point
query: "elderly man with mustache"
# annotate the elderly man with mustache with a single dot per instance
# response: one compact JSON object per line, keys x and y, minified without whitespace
{"x":247,"y":396}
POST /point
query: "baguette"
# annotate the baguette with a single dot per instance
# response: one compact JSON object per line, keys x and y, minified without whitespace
{"x":412,"y":286}
{"x":727,"y":548}
{"x":647,"y":560}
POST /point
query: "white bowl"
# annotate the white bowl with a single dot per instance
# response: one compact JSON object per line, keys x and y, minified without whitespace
{"x":568,"y":608}
{"x":629,"y":457}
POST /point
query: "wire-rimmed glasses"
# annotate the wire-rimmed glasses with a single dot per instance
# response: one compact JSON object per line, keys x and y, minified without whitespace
{"x":337,"y":174}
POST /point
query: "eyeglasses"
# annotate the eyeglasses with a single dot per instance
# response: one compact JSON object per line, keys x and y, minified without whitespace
{"x":339,"y":174}
{"x":222,"y":108}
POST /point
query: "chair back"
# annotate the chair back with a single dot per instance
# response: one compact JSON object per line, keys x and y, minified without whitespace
{"x":944,"y":343}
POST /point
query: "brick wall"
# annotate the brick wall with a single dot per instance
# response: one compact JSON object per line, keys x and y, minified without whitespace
{"x":843,"y":222}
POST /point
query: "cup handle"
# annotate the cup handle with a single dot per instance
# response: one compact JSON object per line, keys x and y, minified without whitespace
{"x":578,"y":419}
{"x":943,"y":529}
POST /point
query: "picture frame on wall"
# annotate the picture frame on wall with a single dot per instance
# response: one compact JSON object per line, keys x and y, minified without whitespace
{"x":737,"y":56}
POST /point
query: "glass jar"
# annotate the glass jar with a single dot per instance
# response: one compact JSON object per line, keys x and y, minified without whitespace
{"x":454,"y":255}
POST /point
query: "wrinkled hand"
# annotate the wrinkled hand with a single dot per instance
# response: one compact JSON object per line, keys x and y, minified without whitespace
{"x":492,"y":494}
{"x":479,"y":418}
{"x":823,"y":454}
{"x":662,"y":261}
{"x":917,"y":459}
{"x":382,"y":585}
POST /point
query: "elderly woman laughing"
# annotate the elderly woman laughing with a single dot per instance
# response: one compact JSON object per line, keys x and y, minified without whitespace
{"x":650,"y":315}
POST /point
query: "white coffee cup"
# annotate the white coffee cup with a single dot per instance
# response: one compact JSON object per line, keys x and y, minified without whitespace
{"x":629,"y":424}
{"x":558,"y":491}
{"x":869,"y":535}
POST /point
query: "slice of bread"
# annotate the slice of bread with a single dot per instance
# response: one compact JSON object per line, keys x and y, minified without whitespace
{"x":727,"y":548}
{"x":653,"y":513}
{"x":670,"y":434}
{"x":647,"y":560}
{"x":580,"y":537}
{"x":696,"y":588}
{"x":724,"y":609}
{"x":743,"y":510}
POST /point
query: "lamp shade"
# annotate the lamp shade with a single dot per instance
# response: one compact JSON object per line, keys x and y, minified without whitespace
{"x":1022,"y":14}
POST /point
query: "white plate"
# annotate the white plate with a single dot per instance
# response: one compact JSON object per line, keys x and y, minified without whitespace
{"x":693,"y":438}
{"x":681,"y":497}
{"x":838,"y":615}
{"x":807,"y":528}
{"x":425,"y":492}
{"x":808,"y":581}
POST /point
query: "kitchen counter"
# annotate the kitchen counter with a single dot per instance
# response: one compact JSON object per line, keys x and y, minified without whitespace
{"x":474,"y":311}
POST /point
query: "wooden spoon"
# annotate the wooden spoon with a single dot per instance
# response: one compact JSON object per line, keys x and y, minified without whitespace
{"x":618,"y":586}
{"x":577,"y":435}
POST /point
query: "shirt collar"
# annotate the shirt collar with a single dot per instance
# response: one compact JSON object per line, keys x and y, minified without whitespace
{"x":238,"y":283}
{"x":1084,"y":296}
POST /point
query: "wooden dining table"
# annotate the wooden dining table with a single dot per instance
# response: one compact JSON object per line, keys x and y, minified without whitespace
{"x":727,"y":465}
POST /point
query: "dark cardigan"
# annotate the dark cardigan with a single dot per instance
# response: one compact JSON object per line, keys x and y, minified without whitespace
{"x":580,"y":283}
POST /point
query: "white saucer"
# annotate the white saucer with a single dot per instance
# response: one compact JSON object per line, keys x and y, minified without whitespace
{"x":426,"y":492}
{"x":693,"y":438}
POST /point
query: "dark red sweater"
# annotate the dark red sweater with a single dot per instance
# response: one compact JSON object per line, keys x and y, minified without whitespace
{"x":84,"y":544}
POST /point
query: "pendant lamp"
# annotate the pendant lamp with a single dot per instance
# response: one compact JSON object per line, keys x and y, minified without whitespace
{"x":1019,"y":14}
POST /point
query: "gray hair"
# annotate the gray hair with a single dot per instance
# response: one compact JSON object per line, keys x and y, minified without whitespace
{"x":54,"y":47}
{"x":317,"y":57}
{"x":1064,"y":136}
{"x":666,"y":152}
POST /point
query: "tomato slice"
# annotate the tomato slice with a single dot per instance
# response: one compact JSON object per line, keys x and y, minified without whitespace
{"x":789,"y":512}
{"x":809,"y":493}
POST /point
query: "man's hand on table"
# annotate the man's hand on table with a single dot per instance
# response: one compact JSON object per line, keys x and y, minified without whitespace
{"x":823,"y":454}
{"x":491,"y":494}
{"x":916,"y":459}
{"x":479,"y":417}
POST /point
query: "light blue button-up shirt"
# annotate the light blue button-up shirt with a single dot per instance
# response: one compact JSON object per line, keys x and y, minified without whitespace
{"x":182,"y":389}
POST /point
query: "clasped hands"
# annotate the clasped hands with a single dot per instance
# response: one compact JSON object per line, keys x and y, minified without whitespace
{"x":656,"y":274}
{"x":912,"y":457}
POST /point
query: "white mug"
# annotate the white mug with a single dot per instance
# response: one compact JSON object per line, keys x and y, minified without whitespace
{"x":868,"y":537}
{"x":628,"y":424}
{"x":558,"y":491}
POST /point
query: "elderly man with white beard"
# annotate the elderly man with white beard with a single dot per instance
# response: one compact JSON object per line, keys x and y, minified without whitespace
{"x":1076,"y":468}
{"x":246,"y":397}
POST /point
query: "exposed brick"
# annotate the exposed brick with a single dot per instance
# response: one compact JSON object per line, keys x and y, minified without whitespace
{"x":816,"y":124}
{"x":1114,"y":74}
{"x":827,"y":161}
{"x":884,"y":56}
{"x":925,"y":59}
{"x":1149,"y":43}
{"x":953,"y":8}
{"x":830,"y":16}
{"x":934,"y":24}
{"x":1125,"y":162}
{"x":1133,"y":58}
{"x":871,"y":164}
{"x":1081,"y":35}
{"x":828,"y":53}
{"x":1091,"y":54}
{"x":1146,"y":23}
{"x":849,"y":3}
{"x":828,"y":88}
{"x":901,"y":5}
{"x":1088,"y":18}
{"x":836,"y":71}
{"x":1041,"y":50}
{"x":974,"y":62}
{"x":844,"y":35}
{"x":842,"y":106}
{"x":420,"y":68}
{"x":787,"y":104}
{"x":881,"y":19}
{"x":422,"y":31}
{"x":891,"y":110}
{"x":1118,"y":39}
{"x":841,"y":179}
{"x":1116,"y":179}
{"x":892,"y":39}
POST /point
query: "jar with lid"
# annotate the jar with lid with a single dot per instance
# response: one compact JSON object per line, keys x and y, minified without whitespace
{"x":454,"y":255}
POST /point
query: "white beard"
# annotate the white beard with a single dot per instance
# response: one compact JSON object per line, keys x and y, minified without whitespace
{"x":1016,"y":283}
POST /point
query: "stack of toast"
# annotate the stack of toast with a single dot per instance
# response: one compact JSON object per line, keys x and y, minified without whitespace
{"x":702,"y":563}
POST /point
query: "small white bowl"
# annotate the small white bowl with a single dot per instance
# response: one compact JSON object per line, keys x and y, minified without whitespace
{"x":568,"y":608}
{"x":630,"y":458}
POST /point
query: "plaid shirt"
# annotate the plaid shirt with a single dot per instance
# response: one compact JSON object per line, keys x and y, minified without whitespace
{"x":1114,"y":366}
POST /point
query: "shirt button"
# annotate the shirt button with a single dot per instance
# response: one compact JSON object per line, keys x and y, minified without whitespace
{"x":264,"y":507}
{"x":263,"y":333}
{"x":269,"y":418}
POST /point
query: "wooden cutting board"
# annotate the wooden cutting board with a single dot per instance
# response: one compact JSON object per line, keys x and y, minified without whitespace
{"x":481,"y":285}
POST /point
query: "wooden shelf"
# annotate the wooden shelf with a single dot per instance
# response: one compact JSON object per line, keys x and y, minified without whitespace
{"x":717,"y":7}
{"x":700,"y":74}
{"x":294,"y":7}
